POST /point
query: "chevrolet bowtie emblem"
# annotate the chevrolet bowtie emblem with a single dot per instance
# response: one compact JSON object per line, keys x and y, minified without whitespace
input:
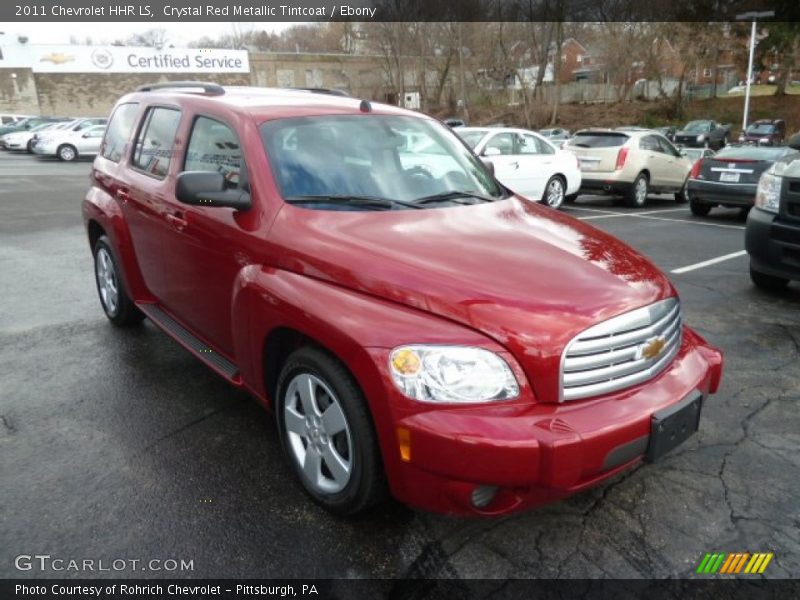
{"x":652,"y":347}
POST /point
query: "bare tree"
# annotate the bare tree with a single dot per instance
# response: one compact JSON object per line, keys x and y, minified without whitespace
{"x":154,"y":38}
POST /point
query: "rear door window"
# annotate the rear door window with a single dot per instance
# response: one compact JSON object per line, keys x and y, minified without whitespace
{"x":152,"y":151}
{"x":119,"y":131}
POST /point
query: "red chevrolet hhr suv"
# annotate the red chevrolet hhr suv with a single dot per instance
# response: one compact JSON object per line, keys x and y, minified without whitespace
{"x":414,"y":326}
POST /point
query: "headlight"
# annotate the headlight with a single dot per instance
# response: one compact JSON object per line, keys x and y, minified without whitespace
{"x":456,"y":374}
{"x":701,"y":137}
{"x":768,"y":193}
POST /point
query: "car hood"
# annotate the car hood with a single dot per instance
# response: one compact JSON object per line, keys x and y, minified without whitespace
{"x":522,"y":274}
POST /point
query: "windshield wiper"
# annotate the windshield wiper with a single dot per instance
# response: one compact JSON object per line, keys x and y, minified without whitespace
{"x":376,"y":202}
{"x":453,"y":196}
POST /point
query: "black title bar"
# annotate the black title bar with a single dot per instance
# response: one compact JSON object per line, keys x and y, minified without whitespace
{"x":160,"y":11}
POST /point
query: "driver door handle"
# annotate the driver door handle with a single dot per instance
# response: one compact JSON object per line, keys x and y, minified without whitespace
{"x":177,"y":221}
{"x":514,"y":165}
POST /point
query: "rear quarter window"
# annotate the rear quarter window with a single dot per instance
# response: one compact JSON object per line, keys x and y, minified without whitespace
{"x":119,"y":131}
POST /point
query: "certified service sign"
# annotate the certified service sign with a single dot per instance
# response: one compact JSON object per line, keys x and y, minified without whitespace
{"x":133,"y":59}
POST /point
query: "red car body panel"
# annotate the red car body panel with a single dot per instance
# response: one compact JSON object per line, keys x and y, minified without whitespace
{"x":511,"y":276}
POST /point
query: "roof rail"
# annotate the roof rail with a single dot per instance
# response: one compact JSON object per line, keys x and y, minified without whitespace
{"x":328,"y":91}
{"x":212,"y":89}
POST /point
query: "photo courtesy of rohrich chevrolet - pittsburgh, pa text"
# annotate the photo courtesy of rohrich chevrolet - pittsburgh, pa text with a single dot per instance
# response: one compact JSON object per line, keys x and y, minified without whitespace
{"x":399,"y":299}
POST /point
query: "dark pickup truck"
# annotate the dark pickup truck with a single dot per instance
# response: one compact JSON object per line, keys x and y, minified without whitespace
{"x":703,"y":134}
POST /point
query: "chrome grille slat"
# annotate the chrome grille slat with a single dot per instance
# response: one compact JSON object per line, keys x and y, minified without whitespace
{"x":615,"y":371}
{"x":603,"y":358}
{"x":622,"y":339}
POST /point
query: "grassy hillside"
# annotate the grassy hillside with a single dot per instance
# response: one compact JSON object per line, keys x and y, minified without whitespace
{"x":651,"y":114}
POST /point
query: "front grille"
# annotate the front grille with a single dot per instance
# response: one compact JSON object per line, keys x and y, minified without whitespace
{"x":620,"y":352}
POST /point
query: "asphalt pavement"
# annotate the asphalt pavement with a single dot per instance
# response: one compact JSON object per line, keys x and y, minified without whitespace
{"x":118,"y":445}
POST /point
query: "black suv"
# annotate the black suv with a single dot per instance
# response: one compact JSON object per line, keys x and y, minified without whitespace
{"x":772,"y":237}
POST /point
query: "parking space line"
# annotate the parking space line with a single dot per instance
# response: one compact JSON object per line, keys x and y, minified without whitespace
{"x":661,"y":210}
{"x":688,"y":221}
{"x":595,"y":210}
{"x":608,"y":216}
{"x":709,"y":262}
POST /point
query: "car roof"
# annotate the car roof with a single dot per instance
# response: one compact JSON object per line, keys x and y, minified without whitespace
{"x":262,"y":104}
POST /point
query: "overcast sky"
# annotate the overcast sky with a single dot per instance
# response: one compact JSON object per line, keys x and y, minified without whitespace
{"x":179,"y":33}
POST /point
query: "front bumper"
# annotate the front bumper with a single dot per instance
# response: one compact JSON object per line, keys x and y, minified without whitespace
{"x":773,"y":245}
{"x":45,"y":148}
{"x":726,"y":194}
{"x":537,"y":453}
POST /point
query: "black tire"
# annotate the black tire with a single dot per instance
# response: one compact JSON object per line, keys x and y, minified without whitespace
{"x":123,"y":312}
{"x":682,"y":196}
{"x":633,"y":196}
{"x":571,"y":198}
{"x":366,"y":485}
{"x":699,"y":209}
{"x":67,"y":152}
{"x":767,"y":282}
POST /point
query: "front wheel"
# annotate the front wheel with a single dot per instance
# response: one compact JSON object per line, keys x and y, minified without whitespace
{"x":67,"y":153}
{"x":326,"y":432}
{"x":117,"y":305}
{"x":554,"y":193}
{"x":767,"y":282}
{"x":699,"y":209}
{"x":637,"y":195}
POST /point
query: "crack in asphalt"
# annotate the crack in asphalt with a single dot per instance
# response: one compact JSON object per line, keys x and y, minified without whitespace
{"x":8,"y":424}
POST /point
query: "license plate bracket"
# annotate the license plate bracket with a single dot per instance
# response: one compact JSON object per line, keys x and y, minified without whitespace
{"x":672,"y":426}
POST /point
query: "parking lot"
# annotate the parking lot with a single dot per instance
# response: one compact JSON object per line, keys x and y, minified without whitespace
{"x":119,"y":444}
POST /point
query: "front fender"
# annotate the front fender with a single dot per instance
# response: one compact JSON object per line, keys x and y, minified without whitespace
{"x":348,"y":324}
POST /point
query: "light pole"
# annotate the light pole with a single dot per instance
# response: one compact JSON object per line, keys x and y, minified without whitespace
{"x":754,"y":16}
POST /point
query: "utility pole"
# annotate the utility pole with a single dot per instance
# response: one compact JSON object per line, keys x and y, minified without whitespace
{"x":462,"y":91}
{"x":754,"y":16}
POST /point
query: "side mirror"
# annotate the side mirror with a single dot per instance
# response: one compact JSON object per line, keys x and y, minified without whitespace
{"x":492,"y":152}
{"x":794,"y":142}
{"x":489,"y":166}
{"x":85,"y":135}
{"x":207,"y":188}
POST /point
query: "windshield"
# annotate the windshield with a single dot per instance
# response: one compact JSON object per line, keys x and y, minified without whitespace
{"x":395,"y":158}
{"x":698,"y":126}
{"x":760,"y":128}
{"x":472,"y":138}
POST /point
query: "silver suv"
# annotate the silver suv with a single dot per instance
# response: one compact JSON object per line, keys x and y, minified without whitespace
{"x":630,"y":163}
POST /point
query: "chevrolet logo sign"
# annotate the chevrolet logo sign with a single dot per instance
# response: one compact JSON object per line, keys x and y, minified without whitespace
{"x":651,"y":348}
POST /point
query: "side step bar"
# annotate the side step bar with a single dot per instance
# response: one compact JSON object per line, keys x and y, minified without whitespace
{"x":196,"y":346}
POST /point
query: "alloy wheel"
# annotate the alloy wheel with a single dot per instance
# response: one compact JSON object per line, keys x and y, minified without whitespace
{"x":318,"y":434}
{"x":554,"y":196}
{"x":106,"y":274}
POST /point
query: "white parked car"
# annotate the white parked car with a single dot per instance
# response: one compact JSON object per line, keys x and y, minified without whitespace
{"x":73,"y":125}
{"x":68,"y":145}
{"x":20,"y":140}
{"x":526,"y":162}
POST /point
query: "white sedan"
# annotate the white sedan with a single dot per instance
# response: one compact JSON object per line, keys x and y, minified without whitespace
{"x":526,"y":162}
{"x":69,"y":145}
